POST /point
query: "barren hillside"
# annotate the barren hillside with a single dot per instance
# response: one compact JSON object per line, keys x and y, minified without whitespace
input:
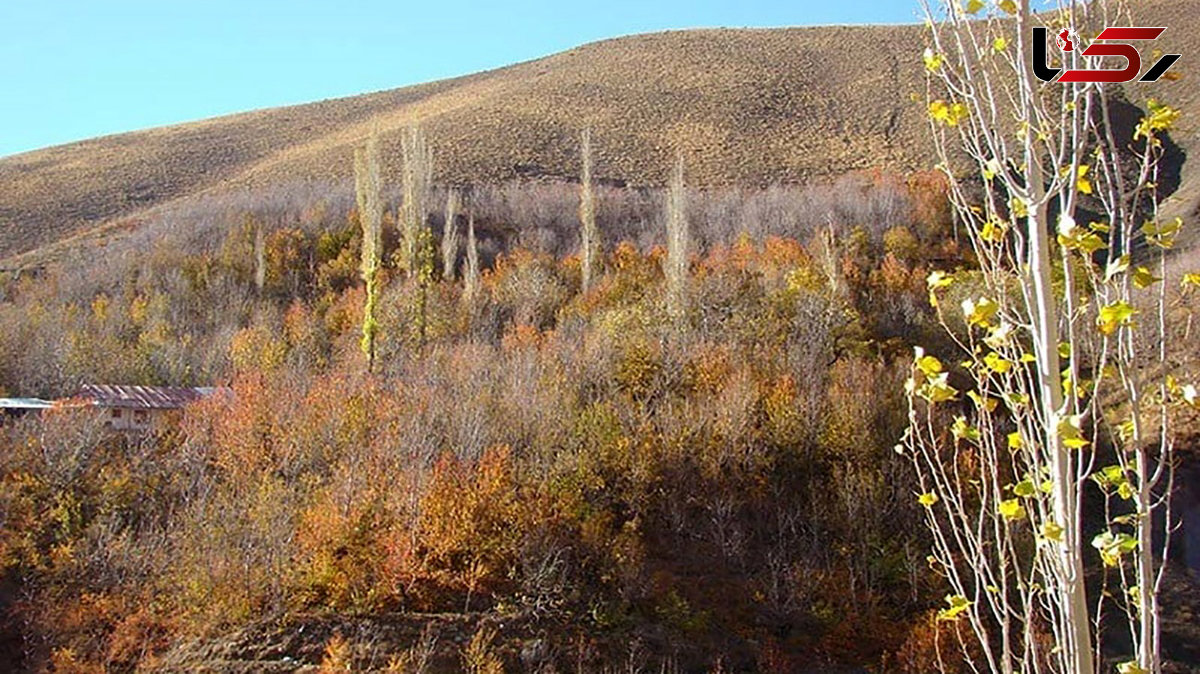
{"x":745,"y":106}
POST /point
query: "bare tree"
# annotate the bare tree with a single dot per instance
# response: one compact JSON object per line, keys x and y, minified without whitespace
{"x":260,"y":263}
{"x":416,"y":181}
{"x":471,"y":270}
{"x":589,"y":238}
{"x":675,"y":265}
{"x":450,"y":235}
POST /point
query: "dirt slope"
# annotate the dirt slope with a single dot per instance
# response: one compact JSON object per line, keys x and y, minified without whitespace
{"x":745,"y":106}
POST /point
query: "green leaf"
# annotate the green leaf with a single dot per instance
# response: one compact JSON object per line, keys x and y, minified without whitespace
{"x":928,"y":499}
{"x":1000,"y":44}
{"x":1014,"y":441}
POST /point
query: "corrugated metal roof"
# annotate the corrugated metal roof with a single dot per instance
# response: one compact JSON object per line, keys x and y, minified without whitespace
{"x":143,"y":397}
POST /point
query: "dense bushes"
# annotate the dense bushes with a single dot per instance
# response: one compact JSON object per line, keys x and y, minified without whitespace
{"x":726,"y":479}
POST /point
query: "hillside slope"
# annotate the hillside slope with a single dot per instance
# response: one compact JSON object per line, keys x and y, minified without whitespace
{"x":745,"y":106}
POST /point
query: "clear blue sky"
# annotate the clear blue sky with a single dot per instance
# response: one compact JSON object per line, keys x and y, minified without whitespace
{"x":73,"y":69}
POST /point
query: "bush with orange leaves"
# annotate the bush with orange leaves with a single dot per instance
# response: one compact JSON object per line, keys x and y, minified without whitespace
{"x":727,"y":491}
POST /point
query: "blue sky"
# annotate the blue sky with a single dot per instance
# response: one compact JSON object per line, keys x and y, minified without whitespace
{"x":76,"y":69}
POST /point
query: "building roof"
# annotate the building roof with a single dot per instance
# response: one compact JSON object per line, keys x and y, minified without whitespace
{"x":25,"y":404}
{"x":143,"y":397}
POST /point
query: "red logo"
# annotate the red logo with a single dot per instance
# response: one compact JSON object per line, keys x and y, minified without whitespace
{"x":1066,"y":39}
{"x":1110,"y":42}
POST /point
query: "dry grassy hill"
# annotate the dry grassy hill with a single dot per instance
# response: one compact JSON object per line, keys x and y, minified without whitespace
{"x":745,"y":106}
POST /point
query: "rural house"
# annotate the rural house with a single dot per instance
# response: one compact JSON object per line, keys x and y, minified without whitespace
{"x":135,"y":408}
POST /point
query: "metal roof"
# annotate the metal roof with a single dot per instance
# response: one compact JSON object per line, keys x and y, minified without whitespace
{"x":25,"y":404}
{"x":144,"y":397}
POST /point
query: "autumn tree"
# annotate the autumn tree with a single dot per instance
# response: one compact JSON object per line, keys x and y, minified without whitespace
{"x":416,"y":241}
{"x":368,"y":189}
{"x":1061,"y":343}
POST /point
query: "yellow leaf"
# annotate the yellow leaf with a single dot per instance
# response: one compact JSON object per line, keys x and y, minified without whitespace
{"x":947,"y":114}
{"x":996,"y":363}
{"x":1131,"y":667}
{"x":1000,"y":44}
{"x":962,"y":430}
{"x":1161,"y":118}
{"x":1115,"y":315}
{"x":1071,"y":433}
{"x":1014,"y":441}
{"x":983,"y":402}
{"x":993,"y":231}
{"x":928,"y":499}
{"x":936,"y":281}
{"x":958,"y":604}
{"x":1051,"y":531}
{"x":1142,"y":278}
{"x":973,"y":6}
{"x":1008,"y":6}
{"x":1162,"y":235}
{"x":932,"y":61}
{"x":929,"y":366}
{"x":980,"y":312}
{"x":1081,"y":181}
{"x":1011,"y":509}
